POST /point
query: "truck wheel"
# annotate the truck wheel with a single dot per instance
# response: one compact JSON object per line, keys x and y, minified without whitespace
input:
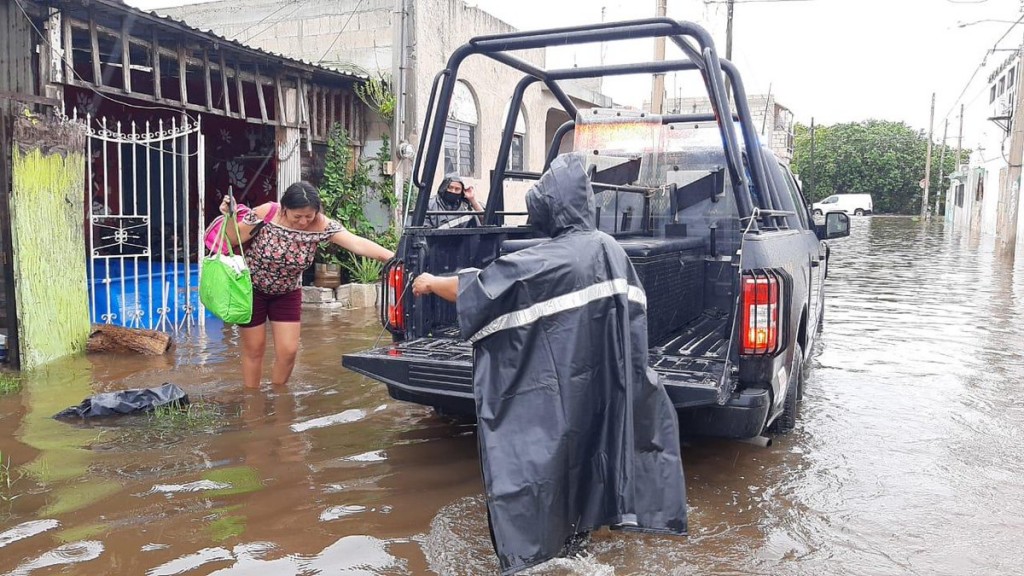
{"x":786,"y":421}
{"x":858,"y":212}
{"x":818,"y":213}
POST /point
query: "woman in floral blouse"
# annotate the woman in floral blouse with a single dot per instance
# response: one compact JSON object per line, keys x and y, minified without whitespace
{"x":277,"y":257}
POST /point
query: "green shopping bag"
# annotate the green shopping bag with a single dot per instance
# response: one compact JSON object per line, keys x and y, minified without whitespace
{"x":225,"y":284}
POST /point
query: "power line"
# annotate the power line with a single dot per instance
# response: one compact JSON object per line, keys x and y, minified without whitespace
{"x":338,"y":36}
{"x":981,"y":65}
{"x":754,"y":1}
{"x":297,"y":4}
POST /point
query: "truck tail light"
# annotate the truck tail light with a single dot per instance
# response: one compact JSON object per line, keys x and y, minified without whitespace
{"x":760,"y":314}
{"x":396,"y":288}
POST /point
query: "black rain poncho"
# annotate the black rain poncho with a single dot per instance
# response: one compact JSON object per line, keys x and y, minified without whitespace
{"x":445,"y":201}
{"x":575,"y":430}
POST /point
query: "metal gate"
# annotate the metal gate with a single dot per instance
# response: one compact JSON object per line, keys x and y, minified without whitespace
{"x":145,"y":222}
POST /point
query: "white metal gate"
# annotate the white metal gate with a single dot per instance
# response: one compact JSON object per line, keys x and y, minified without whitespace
{"x":145,"y":223}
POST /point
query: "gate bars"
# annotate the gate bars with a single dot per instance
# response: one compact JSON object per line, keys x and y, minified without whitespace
{"x":144,"y":249}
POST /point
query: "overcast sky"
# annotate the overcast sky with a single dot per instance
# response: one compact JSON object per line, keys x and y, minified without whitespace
{"x":834,"y":60}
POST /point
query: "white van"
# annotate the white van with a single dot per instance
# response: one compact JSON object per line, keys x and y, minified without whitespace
{"x":858,"y":204}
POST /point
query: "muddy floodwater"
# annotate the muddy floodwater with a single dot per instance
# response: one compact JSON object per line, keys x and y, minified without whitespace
{"x":907,"y":458}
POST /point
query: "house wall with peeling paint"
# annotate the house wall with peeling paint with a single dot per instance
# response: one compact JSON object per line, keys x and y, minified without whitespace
{"x":47,"y":229}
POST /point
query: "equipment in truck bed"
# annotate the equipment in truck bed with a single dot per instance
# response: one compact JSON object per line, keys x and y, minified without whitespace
{"x":672,"y":272}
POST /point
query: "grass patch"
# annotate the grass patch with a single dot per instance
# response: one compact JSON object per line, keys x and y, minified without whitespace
{"x":9,"y":384}
{"x":8,"y":479}
{"x":242,"y":479}
{"x":197,"y":415}
{"x":78,"y":533}
{"x":227,"y":527}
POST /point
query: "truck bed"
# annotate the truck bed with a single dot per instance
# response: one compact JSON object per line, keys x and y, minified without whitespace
{"x":691,"y":363}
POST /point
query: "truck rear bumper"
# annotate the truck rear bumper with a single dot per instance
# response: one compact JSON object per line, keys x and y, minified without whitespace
{"x":742,"y":416}
{"x":439,"y":373}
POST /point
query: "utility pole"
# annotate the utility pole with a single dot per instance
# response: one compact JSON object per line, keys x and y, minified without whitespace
{"x":928,"y":162}
{"x":942,"y":166}
{"x":728,"y":46}
{"x":1008,"y":238}
{"x":728,"y":31}
{"x":960,"y":138}
{"x":603,"y":52}
{"x":810,"y":181}
{"x":658,"y":85}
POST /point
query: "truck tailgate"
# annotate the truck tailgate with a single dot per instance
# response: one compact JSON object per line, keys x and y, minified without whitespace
{"x":439,"y":371}
{"x":692,"y":362}
{"x":433,"y":371}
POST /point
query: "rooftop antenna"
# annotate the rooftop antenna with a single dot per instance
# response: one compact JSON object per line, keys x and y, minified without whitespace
{"x":603,"y":52}
{"x":767,"y":102}
{"x":603,"y":9}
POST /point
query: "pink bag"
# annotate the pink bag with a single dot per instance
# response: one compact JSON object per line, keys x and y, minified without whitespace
{"x":214,"y":244}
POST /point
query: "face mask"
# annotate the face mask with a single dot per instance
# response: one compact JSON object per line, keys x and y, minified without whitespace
{"x":449,"y":198}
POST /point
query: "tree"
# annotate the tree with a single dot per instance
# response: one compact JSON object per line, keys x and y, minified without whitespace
{"x":882,"y":158}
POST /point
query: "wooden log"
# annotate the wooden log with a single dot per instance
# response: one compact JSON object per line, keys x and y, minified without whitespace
{"x":120,"y":340}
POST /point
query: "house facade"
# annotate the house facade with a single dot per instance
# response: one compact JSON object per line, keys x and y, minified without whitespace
{"x":977,"y":194}
{"x":408,"y":43}
{"x":171,"y":118}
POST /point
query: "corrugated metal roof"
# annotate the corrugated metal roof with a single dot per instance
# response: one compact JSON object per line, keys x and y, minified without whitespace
{"x":120,"y":6}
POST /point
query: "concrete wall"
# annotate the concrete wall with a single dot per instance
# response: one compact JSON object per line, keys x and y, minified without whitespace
{"x":777,"y":127}
{"x":349,"y":35}
{"x":441,"y":27}
{"x":364,"y":40}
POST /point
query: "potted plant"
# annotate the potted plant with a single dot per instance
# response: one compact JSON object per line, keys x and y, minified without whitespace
{"x":364,"y":286}
{"x":327,"y":267}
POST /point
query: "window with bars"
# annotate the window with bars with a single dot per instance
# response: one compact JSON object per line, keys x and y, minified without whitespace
{"x":459,"y":148}
{"x":460,"y":132}
{"x":515,"y":153}
{"x":517,"y":148}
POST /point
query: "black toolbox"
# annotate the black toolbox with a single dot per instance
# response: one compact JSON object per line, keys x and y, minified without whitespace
{"x":672,"y":273}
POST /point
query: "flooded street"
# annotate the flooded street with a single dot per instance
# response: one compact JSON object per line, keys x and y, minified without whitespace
{"x":906,"y":459}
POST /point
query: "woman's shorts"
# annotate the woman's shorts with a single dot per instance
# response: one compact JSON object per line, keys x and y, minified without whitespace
{"x":285,"y":307}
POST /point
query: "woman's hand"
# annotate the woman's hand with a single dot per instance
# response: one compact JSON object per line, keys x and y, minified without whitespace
{"x":225,"y":205}
{"x":362,"y":246}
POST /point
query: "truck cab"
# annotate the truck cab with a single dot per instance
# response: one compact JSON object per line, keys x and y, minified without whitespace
{"x":731,"y":261}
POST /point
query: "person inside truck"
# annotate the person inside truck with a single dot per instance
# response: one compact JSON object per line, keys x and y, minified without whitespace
{"x":453,"y":196}
{"x":277,"y":257}
{"x":575,"y":430}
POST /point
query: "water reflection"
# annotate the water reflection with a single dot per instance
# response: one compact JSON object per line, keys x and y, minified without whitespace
{"x":62,"y":556}
{"x":352,"y":555}
{"x":906,"y":458}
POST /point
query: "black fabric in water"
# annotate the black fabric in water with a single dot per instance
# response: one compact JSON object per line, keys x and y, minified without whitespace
{"x":125,"y":402}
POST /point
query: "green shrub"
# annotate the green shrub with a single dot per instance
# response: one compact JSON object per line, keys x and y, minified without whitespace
{"x":364,"y":270}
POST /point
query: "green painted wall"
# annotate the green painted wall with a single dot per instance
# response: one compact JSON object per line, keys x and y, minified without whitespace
{"x":47,"y":221}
